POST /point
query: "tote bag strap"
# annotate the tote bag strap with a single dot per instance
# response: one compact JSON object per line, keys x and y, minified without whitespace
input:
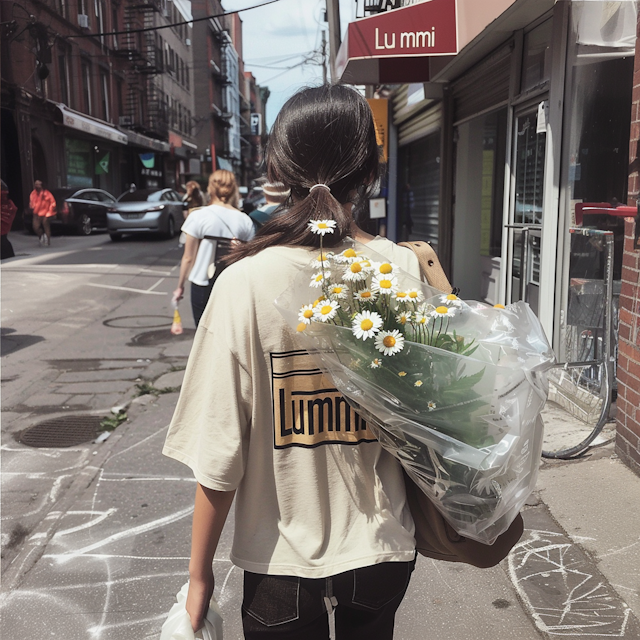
{"x":430,"y":265}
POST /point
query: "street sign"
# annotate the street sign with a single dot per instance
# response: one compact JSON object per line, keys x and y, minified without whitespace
{"x":256,"y":124}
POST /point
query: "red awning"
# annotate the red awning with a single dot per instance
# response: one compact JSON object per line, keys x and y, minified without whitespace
{"x":411,"y":43}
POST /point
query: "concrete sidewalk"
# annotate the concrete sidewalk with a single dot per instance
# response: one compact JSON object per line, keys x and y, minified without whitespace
{"x":120,"y":553}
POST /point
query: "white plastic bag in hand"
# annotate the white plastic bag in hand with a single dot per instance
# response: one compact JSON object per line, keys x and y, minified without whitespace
{"x":178,"y":625}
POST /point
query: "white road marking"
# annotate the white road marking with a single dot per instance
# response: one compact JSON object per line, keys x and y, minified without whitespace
{"x":152,"y":287}
{"x":110,"y":286}
{"x":143,"y":528}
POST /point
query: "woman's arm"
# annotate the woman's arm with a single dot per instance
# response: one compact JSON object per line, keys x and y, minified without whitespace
{"x":209,"y":515}
{"x":186,"y":264}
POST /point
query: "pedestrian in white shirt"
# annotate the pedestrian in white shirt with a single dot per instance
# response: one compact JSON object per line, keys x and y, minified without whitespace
{"x":209,"y":232}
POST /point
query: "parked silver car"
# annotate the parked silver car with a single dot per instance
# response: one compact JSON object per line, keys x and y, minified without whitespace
{"x":146,"y":211}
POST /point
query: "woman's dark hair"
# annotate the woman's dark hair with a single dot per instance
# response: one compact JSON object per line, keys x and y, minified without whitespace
{"x":322,"y":135}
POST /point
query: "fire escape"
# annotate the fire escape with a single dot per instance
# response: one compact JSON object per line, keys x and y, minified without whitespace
{"x":144,"y":109}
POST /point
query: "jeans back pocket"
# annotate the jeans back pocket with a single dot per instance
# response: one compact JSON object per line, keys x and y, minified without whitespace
{"x":377,"y":585}
{"x":271,"y":600}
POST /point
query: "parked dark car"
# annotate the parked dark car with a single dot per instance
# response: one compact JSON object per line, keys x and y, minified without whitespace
{"x":146,"y":211}
{"x":79,"y":209}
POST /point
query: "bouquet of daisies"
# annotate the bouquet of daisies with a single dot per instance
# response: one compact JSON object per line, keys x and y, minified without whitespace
{"x":453,"y":389}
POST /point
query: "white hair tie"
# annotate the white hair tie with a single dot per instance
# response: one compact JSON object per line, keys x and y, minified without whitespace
{"x":315,"y":186}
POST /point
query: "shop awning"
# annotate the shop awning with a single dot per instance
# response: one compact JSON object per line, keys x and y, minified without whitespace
{"x":89,"y":125}
{"x":145,"y":142}
{"x":412,"y":43}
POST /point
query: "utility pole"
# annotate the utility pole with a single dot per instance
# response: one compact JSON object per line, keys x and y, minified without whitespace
{"x":333,"y":16}
{"x":324,"y":57}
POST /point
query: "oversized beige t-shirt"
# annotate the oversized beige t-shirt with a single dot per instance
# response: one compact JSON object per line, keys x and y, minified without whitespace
{"x":316,"y":493}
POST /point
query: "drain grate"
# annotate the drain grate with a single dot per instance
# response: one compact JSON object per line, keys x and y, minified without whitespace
{"x":66,"y":431}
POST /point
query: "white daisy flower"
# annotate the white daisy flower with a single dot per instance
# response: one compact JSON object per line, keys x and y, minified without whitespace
{"x":355,"y":273}
{"x":451,"y":300}
{"x":306,"y":313}
{"x":418,"y":383}
{"x":337,"y":292}
{"x":376,"y":363}
{"x":326,"y":310}
{"x":401,"y":296}
{"x":443,"y":312}
{"x":322,"y":227}
{"x":421,"y":318}
{"x":384,"y":285}
{"x":384,"y":269}
{"x":347,"y":256}
{"x":365,"y":295}
{"x":403,"y":317}
{"x":321,"y":261}
{"x":366,"y":324}
{"x":415,"y":295}
{"x":389,"y":342}
{"x":318,"y":279}
{"x":431,"y":405}
{"x":402,"y":374}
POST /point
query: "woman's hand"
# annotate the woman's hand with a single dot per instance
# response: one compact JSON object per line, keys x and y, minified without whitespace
{"x":178,"y":294}
{"x":198,"y":598}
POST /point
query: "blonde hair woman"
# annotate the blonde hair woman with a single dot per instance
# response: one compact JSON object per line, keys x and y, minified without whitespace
{"x":204,"y":230}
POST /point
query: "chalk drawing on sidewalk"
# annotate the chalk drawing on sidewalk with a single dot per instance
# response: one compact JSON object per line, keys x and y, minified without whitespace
{"x":564,"y":596}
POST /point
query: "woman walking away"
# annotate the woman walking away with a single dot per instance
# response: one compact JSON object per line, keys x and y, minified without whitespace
{"x":206,"y":231}
{"x":322,"y":529}
{"x":194,"y":197}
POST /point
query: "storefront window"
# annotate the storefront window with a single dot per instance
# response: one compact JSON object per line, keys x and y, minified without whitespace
{"x":535,"y":61}
{"x":419,"y":190}
{"x":79,"y":163}
{"x":479,"y":199}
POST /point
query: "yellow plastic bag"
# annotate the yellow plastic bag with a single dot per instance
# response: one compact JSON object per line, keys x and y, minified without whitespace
{"x":176,"y":327}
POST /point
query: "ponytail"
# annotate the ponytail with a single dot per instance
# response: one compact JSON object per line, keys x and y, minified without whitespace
{"x":323,"y":148}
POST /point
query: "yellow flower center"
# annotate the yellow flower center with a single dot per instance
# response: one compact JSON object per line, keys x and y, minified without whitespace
{"x":366,"y":325}
{"x":365,"y":294}
{"x":413,"y":294}
{"x":402,"y":374}
{"x":386,"y":284}
{"x":423,"y":320}
{"x":319,"y":277}
{"x":326,"y":309}
{"x":350,"y":253}
{"x":451,"y":296}
{"x":323,"y":225}
{"x":389,"y":341}
{"x":442,"y":310}
{"x":402,"y":319}
{"x":355,"y":268}
{"x":301,"y":327}
{"x":321,"y":258}
{"x":401,"y":294}
{"x":337,"y":289}
{"x":386,"y":268}
{"x":308,"y":313}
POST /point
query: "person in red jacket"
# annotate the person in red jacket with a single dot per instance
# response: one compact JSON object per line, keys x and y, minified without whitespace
{"x":8,"y":214}
{"x":43,"y":208}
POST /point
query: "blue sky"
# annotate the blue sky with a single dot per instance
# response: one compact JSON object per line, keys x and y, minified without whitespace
{"x":279,"y":36}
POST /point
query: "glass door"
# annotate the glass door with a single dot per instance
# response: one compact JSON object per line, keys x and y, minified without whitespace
{"x":525,"y":237}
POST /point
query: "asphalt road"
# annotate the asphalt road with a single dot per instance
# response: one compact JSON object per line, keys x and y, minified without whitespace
{"x":95,"y":537}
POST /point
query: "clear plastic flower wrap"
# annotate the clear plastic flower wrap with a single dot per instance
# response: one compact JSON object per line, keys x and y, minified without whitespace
{"x":452,"y":389}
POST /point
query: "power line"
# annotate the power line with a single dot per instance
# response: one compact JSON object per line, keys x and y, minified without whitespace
{"x":173,"y":24}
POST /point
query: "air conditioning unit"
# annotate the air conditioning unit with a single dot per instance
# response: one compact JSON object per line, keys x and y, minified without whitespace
{"x":125,"y":121}
{"x":83,"y":20}
{"x":188,"y":42}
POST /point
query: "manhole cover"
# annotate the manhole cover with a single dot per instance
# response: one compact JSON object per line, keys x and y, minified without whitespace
{"x":65,"y":431}
{"x":152,"y":338}
{"x":138,"y":322}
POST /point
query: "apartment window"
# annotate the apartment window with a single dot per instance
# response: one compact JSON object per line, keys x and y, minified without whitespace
{"x":119,"y":97}
{"x":63,"y":77}
{"x":101,"y":15}
{"x":62,"y":8}
{"x":86,"y":86}
{"x":114,"y":24}
{"x":104,"y":95}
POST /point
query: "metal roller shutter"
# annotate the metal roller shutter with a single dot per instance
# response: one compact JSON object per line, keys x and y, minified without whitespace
{"x":424,"y":124}
{"x":483,"y":87}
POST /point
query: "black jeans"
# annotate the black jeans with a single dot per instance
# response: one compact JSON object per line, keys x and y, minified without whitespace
{"x":199,"y":298}
{"x":290,"y":608}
